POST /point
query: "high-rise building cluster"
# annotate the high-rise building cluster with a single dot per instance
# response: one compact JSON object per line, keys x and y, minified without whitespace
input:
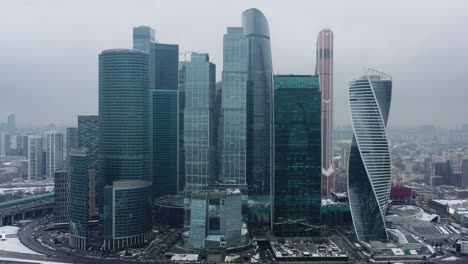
{"x":166,"y":128}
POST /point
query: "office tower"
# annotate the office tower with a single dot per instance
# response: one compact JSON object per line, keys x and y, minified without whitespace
{"x":164,"y":141}
{"x":22,"y":146}
{"x":4,"y":141}
{"x":324,"y":69}
{"x":123,"y":164}
{"x":143,"y":36}
{"x":198,"y":122}
{"x":44,"y":164}
{"x":464,"y":174}
{"x":216,"y":219}
{"x":164,"y":66}
{"x":82,"y":197}
{"x":345,"y":156}
{"x":61,"y":196}
{"x":54,"y":152}
{"x":234,"y":107}
{"x":297,"y":171}
{"x":427,"y":169}
{"x":11,"y":124}
{"x":369,"y":172}
{"x":181,"y":125}
{"x":72,"y":141}
{"x":88,"y":127}
{"x":35,"y":158}
{"x":259,"y":101}
{"x":72,"y":138}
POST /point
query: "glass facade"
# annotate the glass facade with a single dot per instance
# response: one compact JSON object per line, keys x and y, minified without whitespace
{"x":259,"y":101}
{"x":72,"y":138}
{"x":181,"y":125}
{"x":35,"y":158}
{"x":143,"y":36}
{"x":79,"y":197}
{"x":127,"y":213}
{"x":123,"y":130}
{"x":297,"y":135}
{"x":369,"y":167}
{"x":61,"y":196}
{"x":164,"y":66}
{"x":164,"y":141}
{"x":198,"y":122}
{"x":234,"y":107}
{"x":54,"y":153}
{"x":88,"y":127}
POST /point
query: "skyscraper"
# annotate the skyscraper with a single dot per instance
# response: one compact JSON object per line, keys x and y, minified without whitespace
{"x":198,"y":122}
{"x":369,"y":171}
{"x":164,"y":141}
{"x":11,"y":124}
{"x":259,"y":101}
{"x":181,"y":125}
{"x":35,"y":158}
{"x":88,"y":127}
{"x":61,"y":196}
{"x":72,"y":138}
{"x":123,"y":164}
{"x":234,"y":107}
{"x":297,"y":175}
{"x":54,"y":153}
{"x":324,"y":69}
{"x":164,"y":66}
{"x":143,"y":36}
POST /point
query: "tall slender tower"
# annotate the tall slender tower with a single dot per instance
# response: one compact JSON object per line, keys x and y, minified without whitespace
{"x":324,"y":69}
{"x":259,"y":101}
{"x":54,"y":153}
{"x":35,"y":158}
{"x":369,"y":167}
{"x":198,"y":122}
{"x":234,"y":107}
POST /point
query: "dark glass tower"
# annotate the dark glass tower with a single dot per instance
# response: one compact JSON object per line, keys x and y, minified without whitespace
{"x":164,"y":141}
{"x":369,"y":167}
{"x":297,"y":174}
{"x":123,"y":144}
{"x":88,"y":135}
{"x":164,"y":66}
{"x":259,"y":101}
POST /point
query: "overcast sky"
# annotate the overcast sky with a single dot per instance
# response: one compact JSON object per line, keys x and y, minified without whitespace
{"x":49,"y":49}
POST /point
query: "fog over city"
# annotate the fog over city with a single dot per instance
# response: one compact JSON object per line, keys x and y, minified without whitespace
{"x":49,"y":50}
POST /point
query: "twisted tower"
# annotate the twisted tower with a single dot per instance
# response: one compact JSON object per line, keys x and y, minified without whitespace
{"x":369,"y":169}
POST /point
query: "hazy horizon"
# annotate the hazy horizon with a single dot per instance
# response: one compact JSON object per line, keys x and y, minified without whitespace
{"x":49,"y":50}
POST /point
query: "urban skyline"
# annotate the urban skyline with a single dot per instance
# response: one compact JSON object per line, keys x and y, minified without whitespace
{"x":384,"y":50}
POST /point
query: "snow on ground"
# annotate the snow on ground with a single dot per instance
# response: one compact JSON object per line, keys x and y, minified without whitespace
{"x":13,"y":244}
{"x":30,"y":261}
{"x":450,"y":259}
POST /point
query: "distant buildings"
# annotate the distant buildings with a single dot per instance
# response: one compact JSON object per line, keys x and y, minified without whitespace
{"x":369,"y":169}
{"x":11,"y":125}
{"x":234,"y":108}
{"x":54,"y":152}
{"x":259,"y":101}
{"x":216,"y":219}
{"x":61,"y":178}
{"x":324,"y":69}
{"x":72,"y":138}
{"x":124,"y":153}
{"x":143,"y":36}
{"x":35,"y":158}
{"x":297,"y":175}
{"x":198,"y":122}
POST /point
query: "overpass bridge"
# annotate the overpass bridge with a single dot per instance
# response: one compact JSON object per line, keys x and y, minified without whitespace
{"x":13,"y":211}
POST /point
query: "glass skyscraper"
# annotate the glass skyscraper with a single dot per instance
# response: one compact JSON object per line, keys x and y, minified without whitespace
{"x":123,"y":142}
{"x":369,"y":171}
{"x":72,"y":138}
{"x":259,"y":101}
{"x":324,"y":69}
{"x":198,"y":122}
{"x":143,"y":36}
{"x":297,"y":137}
{"x":234,"y":107}
{"x":164,"y":66}
{"x":35,"y":158}
{"x":88,"y":127}
{"x":164,"y":141}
